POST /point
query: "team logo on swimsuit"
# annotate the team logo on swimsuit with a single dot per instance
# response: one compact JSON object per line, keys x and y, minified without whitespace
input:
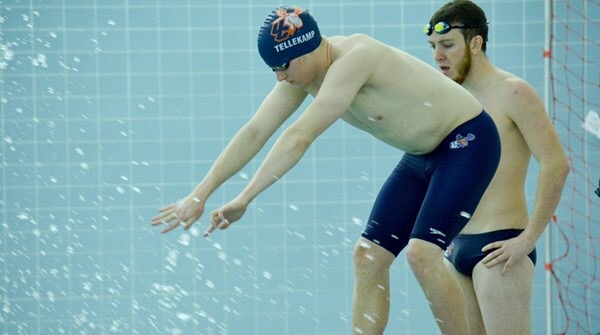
{"x":461,"y":141}
{"x":449,"y":250}
{"x":286,"y":25}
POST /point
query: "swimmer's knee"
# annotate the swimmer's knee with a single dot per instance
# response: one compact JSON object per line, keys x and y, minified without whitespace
{"x":421,"y":254}
{"x":370,"y":256}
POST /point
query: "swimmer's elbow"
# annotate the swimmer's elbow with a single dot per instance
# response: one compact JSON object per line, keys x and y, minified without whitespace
{"x":298,"y":139}
{"x":561,"y":165}
{"x":255,"y":134}
{"x":564,"y":168}
{"x":558,"y":168}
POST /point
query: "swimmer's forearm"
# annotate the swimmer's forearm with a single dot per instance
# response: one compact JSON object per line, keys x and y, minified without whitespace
{"x":548,"y":194}
{"x":240,"y":150}
{"x":285,"y":154}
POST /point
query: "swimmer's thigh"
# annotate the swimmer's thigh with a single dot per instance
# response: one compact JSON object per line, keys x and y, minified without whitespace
{"x":505,"y":300}
{"x":472,"y":306}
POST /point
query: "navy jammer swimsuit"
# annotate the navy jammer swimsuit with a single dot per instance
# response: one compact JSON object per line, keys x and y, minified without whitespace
{"x":431,"y":197}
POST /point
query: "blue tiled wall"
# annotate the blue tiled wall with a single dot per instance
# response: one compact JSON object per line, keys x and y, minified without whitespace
{"x":110,"y":109}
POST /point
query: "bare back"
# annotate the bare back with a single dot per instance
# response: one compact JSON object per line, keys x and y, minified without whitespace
{"x":404,"y":101}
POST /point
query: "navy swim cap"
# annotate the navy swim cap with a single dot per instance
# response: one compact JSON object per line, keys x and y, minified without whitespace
{"x":288,"y":33}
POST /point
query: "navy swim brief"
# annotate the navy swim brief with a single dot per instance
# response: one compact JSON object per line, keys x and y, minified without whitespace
{"x":465,"y":252}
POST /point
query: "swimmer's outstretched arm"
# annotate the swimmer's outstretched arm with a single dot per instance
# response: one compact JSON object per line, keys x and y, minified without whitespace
{"x":285,"y":154}
{"x":333,"y":100}
{"x":278,"y":106}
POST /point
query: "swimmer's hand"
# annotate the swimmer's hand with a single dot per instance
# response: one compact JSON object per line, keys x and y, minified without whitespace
{"x":186,"y":211}
{"x":508,"y":251}
{"x":223,"y":217}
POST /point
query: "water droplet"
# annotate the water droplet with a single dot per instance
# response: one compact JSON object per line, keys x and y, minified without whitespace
{"x":184,"y":239}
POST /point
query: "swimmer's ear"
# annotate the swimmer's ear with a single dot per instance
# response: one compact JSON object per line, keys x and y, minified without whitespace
{"x":476,"y":43}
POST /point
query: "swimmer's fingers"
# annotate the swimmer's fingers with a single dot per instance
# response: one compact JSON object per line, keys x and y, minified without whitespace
{"x":209,"y":230}
{"x":184,"y":212}
{"x":217,"y":220}
{"x":171,"y":226}
{"x":178,"y":220}
{"x":492,"y":246}
{"x":168,"y":214}
{"x":225,"y":216}
{"x":506,"y":267}
{"x":187,"y":224}
{"x":495,"y":257}
{"x":165,"y":215}
{"x":510,"y":252}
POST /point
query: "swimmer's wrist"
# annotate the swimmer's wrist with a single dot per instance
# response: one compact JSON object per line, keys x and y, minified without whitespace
{"x":244,"y":198}
{"x":529,"y":236}
{"x":199,"y":194}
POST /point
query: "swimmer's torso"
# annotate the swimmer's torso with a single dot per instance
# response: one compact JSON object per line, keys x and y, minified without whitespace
{"x":504,"y":205}
{"x":405,"y":102}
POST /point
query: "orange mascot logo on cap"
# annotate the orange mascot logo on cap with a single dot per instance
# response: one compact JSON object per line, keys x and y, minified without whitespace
{"x":286,"y":24}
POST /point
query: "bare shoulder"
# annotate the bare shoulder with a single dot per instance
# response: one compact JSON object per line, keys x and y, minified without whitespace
{"x":361,"y":44}
{"x":352,"y":40}
{"x":517,"y":88}
{"x":357,"y":53}
{"x":520,"y":102}
{"x":518,"y":95}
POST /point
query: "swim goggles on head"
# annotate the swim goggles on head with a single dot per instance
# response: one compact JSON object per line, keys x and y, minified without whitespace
{"x":281,"y":67}
{"x":443,"y":27}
